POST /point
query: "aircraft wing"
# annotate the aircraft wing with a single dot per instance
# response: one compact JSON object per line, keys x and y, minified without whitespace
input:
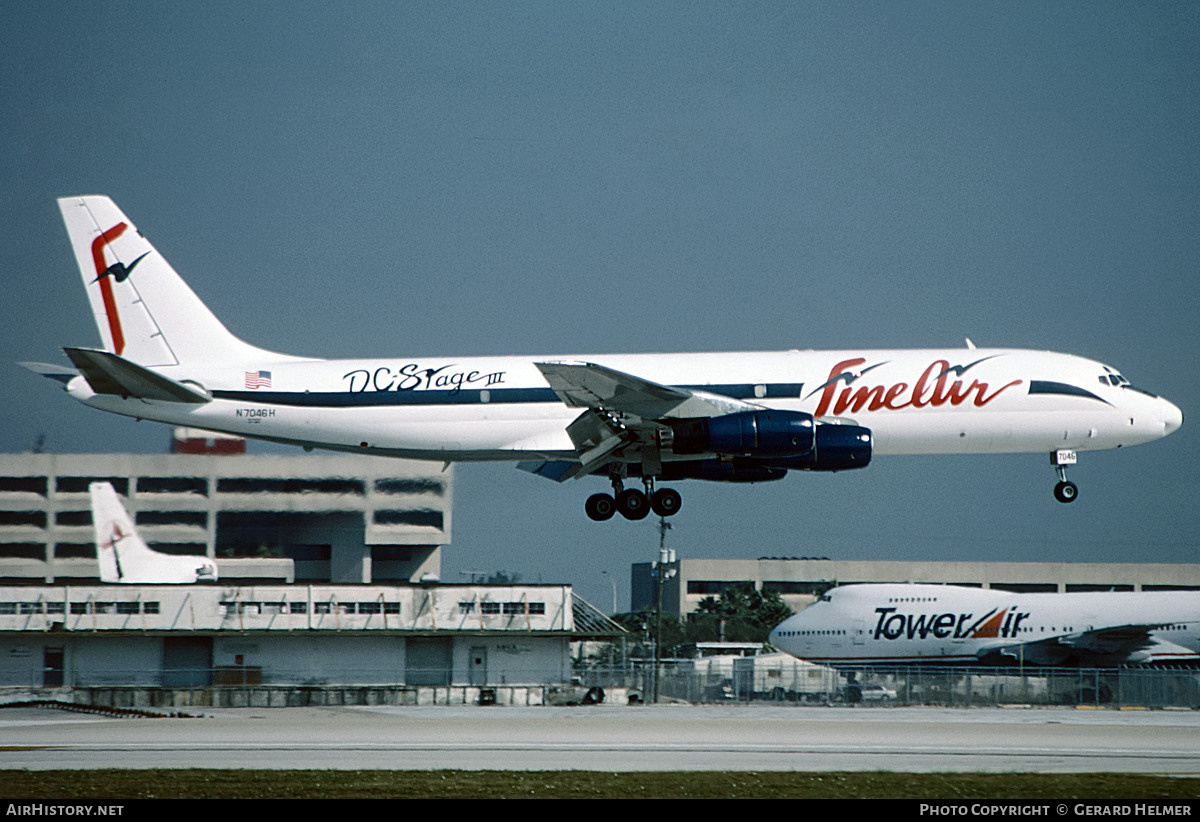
{"x":1116,"y":643}
{"x":108,"y":373}
{"x":621,"y":412}
{"x":588,"y":385}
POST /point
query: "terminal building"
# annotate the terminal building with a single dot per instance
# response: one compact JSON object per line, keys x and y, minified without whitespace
{"x":262,"y":518}
{"x":329,"y":573}
{"x":799,"y":580}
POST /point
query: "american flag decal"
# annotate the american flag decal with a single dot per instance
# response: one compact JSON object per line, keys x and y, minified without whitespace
{"x":258,"y":379}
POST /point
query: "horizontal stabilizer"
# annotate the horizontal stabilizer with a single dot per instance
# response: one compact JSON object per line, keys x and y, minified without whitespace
{"x":108,"y":373}
{"x":59,"y":373}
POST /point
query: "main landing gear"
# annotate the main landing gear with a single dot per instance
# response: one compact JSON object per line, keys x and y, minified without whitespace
{"x":1065,"y":491}
{"x":632,"y":503}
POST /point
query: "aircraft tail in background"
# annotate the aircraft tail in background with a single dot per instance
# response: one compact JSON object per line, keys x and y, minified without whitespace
{"x":125,"y":558}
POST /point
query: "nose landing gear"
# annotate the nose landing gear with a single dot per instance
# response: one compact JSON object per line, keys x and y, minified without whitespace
{"x":1065,"y":490}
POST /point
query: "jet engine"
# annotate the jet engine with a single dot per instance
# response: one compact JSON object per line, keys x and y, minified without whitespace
{"x":775,"y":439}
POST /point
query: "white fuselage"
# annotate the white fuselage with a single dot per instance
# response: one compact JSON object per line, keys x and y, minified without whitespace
{"x":885,"y":624}
{"x":501,"y":408}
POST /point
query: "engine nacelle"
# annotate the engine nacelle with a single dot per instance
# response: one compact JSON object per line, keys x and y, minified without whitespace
{"x":759,"y":434}
{"x":838,"y":448}
{"x":717,"y":471}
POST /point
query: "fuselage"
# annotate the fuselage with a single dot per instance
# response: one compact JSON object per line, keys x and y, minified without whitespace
{"x":903,"y":624}
{"x":920,"y":401}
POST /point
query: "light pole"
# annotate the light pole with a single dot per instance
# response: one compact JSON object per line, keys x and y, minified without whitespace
{"x":613,"y":581}
{"x":663,"y":570}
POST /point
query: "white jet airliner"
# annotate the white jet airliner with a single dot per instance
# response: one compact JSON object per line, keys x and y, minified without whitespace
{"x":885,"y":624}
{"x":732,"y":417}
{"x":125,"y":558}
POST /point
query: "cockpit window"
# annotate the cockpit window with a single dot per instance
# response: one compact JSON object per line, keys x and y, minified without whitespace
{"x":1116,"y":380}
{"x":1113,"y":378}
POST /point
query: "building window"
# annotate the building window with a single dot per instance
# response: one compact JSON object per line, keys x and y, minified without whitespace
{"x":424,"y":516}
{"x":263,"y":485}
{"x":199,"y":518}
{"x":23,"y":550}
{"x":36,"y":519}
{"x":79,"y":485}
{"x":173,"y":485}
{"x":489,"y":607}
{"x":23,"y":485}
{"x":73,"y":518}
{"x":74,"y":550}
{"x":409,"y":486}
{"x":703,"y":586}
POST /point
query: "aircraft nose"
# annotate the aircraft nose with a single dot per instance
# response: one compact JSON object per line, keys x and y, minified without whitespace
{"x":1172,"y":417}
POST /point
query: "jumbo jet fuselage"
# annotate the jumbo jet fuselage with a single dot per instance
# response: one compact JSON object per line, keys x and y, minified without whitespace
{"x":884,"y":624}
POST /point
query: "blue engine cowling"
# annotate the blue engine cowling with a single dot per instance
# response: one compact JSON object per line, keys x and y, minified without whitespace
{"x":747,"y":434}
{"x":775,"y":439}
{"x":838,"y":448}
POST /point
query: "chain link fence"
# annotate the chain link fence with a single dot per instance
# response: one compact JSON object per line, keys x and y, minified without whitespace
{"x":742,"y":680}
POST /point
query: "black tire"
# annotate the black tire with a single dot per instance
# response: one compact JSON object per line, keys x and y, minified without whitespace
{"x":1066,"y":491}
{"x":633,"y":504}
{"x":666,"y":502}
{"x":600,"y":507}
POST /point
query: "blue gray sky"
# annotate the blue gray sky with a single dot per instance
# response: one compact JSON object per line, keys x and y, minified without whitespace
{"x":442,"y":178}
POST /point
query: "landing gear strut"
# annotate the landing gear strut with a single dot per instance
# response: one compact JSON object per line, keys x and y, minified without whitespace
{"x":1065,"y":491}
{"x":632,"y":503}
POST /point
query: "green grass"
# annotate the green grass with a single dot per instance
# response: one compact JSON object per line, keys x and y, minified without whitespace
{"x":326,"y":784}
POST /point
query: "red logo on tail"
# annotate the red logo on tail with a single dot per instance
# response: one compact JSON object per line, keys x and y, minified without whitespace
{"x":106,"y":289}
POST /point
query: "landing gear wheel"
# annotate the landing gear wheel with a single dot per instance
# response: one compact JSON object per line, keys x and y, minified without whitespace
{"x":633,"y":504}
{"x":666,"y":502}
{"x":600,"y":507}
{"x":1066,"y":491}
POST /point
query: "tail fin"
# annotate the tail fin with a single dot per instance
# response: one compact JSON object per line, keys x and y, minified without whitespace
{"x":125,"y":558}
{"x":144,"y":310}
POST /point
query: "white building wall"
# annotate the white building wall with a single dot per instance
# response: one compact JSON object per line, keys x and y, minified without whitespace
{"x":316,"y":660}
{"x":113,"y":660}
{"x":515,"y":661}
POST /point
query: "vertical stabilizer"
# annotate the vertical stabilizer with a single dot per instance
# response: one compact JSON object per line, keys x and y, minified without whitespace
{"x":144,"y":310}
{"x":125,"y":558}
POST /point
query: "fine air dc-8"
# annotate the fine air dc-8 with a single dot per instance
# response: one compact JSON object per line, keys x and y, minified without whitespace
{"x":882,"y":624}
{"x":643,"y":418}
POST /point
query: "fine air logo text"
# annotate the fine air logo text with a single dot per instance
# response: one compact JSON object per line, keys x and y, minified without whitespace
{"x":994,"y":624}
{"x":412,"y":377}
{"x":932,"y":388}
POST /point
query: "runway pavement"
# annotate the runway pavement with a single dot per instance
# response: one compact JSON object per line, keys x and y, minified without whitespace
{"x":610,"y":738}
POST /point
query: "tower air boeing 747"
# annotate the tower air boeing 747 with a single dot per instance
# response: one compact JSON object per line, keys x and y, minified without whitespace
{"x":887,"y":624}
{"x":645,"y":418}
